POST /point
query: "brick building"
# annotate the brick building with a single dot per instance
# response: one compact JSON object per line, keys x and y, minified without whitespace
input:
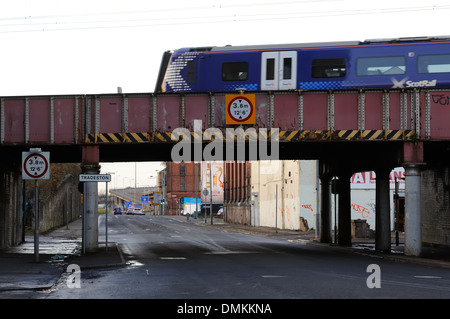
{"x":180,"y":182}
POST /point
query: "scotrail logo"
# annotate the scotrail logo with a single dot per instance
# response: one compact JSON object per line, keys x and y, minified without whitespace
{"x":404,"y":83}
{"x":231,"y":147}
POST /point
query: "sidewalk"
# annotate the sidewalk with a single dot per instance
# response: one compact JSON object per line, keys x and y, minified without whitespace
{"x":57,"y":250}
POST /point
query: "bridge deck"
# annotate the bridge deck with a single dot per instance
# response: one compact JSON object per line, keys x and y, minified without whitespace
{"x":421,"y":114}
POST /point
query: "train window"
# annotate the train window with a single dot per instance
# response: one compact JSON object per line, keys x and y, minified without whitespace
{"x":374,"y":66}
{"x":234,"y":71}
{"x":190,"y":72}
{"x":328,"y":68}
{"x":436,"y":63}
{"x":287,"y":68}
{"x":270,"y":69}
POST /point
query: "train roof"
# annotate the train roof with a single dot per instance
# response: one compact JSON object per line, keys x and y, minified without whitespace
{"x":284,"y":46}
{"x":313,"y":44}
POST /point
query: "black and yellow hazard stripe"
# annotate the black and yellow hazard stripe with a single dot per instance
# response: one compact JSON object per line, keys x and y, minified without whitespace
{"x":345,"y":135}
{"x":162,"y":137}
{"x":117,"y":138}
{"x":136,"y":137}
{"x":283,"y":136}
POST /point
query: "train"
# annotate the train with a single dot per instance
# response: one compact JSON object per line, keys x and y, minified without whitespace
{"x":415,"y":62}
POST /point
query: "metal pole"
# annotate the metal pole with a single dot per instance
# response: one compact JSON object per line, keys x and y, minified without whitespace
{"x":196,"y":191}
{"x":276,"y":208}
{"x":83,"y":241}
{"x":36,"y":221}
{"x":135,"y":181}
{"x":210,"y":191}
{"x":396,"y":211}
{"x":334,"y":185}
{"x":67,"y":208}
{"x":106,"y":217}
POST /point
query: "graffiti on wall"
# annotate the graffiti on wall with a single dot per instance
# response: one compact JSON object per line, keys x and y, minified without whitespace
{"x":364,"y":211}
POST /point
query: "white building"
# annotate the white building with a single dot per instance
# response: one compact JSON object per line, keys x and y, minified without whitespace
{"x":282,"y":192}
{"x":285,"y":194}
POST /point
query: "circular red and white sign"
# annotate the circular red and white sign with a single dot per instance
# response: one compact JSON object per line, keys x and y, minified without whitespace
{"x":240,"y":109}
{"x":35,"y":165}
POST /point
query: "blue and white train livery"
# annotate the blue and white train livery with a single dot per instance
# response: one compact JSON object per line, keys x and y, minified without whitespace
{"x":384,"y":63}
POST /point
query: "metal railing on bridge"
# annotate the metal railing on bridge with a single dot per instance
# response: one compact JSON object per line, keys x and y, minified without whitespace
{"x":419,"y":114}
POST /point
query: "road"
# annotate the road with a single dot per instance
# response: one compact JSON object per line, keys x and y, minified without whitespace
{"x":170,"y":258}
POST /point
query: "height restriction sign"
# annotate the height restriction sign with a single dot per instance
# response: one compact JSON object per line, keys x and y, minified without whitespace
{"x":35,"y":165}
{"x":240,"y":109}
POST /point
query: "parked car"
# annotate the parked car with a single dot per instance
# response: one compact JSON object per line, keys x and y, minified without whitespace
{"x":205,"y":209}
{"x":117,"y":211}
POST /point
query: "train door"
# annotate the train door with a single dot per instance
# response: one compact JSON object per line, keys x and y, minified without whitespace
{"x":279,"y":70}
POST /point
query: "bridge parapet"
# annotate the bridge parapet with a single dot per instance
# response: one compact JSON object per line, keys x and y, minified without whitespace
{"x":41,"y":120}
{"x":384,"y":115}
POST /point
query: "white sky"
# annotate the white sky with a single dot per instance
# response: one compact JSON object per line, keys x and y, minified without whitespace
{"x":94,"y":46}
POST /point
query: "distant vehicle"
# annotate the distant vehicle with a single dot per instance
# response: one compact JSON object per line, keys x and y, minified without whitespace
{"x":138,"y":211}
{"x":130,"y":210}
{"x":189,"y":205}
{"x":205,"y":209}
{"x":117,"y":211}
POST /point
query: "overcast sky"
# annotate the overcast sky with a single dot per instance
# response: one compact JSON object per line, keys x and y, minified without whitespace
{"x":95,"y":46}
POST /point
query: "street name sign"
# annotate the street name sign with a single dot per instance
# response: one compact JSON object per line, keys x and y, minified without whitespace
{"x":95,"y":178}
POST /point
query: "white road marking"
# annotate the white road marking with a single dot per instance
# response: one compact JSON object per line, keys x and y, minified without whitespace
{"x":228,"y":252}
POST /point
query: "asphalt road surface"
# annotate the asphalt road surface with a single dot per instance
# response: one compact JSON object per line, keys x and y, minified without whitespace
{"x":174,"y":259}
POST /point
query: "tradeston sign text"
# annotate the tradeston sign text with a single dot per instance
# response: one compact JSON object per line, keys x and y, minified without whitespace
{"x":95,"y":178}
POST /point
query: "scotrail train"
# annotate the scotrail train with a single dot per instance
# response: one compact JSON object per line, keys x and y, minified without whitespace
{"x":383,"y":63}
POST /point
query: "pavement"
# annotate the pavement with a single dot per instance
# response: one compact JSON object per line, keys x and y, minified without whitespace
{"x":19,"y":270}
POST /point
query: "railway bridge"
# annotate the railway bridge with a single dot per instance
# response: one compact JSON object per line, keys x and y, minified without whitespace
{"x":347,"y":131}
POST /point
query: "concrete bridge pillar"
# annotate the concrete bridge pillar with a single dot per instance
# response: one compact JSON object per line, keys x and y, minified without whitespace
{"x":413,"y":215}
{"x":11,"y":204}
{"x":325,"y":204}
{"x":90,"y":165}
{"x":344,"y":218}
{"x":382,"y":213}
{"x":413,"y":161}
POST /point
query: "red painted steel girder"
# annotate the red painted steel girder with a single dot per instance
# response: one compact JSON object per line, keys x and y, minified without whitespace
{"x":70,"y":119}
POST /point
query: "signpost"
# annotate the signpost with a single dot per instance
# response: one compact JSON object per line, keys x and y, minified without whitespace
{"x":95,"y":178}
{"x":127,"y":203}
{"x":157,"y":197}
{"x":36,"y":166}
{"x":240,"y":109}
